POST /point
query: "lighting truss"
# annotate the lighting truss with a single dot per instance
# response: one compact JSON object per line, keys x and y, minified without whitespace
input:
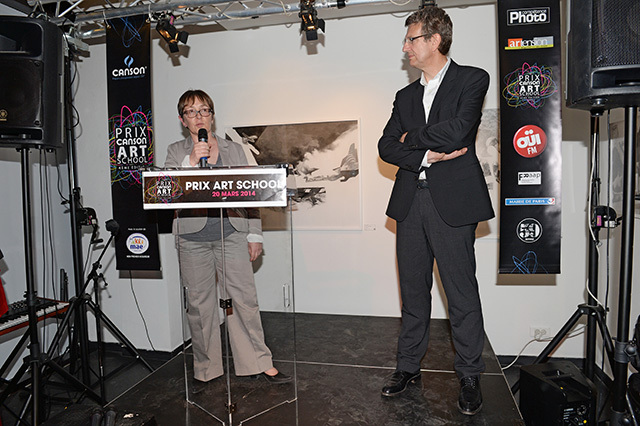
{"x":88,"y":17}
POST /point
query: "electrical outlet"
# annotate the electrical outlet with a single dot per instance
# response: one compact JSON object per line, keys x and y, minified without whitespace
{"x":540,"y":333}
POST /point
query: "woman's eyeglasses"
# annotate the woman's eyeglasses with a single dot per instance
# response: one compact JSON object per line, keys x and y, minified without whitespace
{"x":191,"y":113}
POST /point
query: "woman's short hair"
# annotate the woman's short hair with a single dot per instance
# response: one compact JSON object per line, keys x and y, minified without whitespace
{"x":434,"y":21}
{"x":189,"y":97}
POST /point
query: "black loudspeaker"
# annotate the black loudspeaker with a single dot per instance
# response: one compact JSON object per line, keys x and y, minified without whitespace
{"x":556,"y":393}
{"x":603,"y":59}
{"x":31,"y":83}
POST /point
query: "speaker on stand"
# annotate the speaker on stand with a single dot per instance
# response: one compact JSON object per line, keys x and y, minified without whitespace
{"x":31,"y":105}
{"x":603,"y":73}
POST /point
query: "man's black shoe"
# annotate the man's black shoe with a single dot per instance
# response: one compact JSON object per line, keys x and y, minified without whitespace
{"x":470,"y":401}
{"x":398,"y":382}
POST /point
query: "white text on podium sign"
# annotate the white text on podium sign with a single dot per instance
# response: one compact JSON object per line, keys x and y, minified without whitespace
{"x":232,"y":187}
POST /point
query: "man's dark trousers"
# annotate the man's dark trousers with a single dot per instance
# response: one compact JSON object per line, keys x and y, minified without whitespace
{"x":421,"y":237}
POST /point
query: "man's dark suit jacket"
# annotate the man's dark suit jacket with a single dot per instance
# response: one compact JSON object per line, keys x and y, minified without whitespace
{"x":457,"y":186}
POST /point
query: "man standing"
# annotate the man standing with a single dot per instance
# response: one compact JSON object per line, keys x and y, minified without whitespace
{"x":438,"y":198}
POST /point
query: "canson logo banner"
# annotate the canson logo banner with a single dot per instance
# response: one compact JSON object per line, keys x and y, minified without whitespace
{"x":131,"y":146}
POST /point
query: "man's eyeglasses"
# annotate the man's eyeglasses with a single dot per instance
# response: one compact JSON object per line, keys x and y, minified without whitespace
{"x":410,"y":40}
{"x":191,"y":113}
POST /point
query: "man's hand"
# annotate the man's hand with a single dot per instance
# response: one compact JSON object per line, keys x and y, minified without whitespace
{"x":254,"y":250}
{"x":434,"y":157}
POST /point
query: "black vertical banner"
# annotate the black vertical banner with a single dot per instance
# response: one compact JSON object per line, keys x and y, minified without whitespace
{"x":530,"y":135}
{"x":131,"y":140}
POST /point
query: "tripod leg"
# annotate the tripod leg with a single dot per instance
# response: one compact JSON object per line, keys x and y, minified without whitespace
{"x":553,"y":344}
{"x":18,"y":417}
{"x":566,"y":328}
{"x":100,"y":340}
{"x":25,"y":407}
{"x":14,"y":353}
{"x":62,"y":328}
{"x":55,"y":367}
{"x":606,"y":338}
{"x":117,"y":333}
{"x":13,"y":384}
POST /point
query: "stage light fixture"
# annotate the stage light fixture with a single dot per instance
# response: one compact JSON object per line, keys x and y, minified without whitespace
{"x":169,"y":32}
{"x":310,"y":23}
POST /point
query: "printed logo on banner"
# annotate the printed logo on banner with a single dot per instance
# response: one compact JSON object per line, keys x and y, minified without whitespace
{"x":165,"y":189}
{"x":529,"y":86}
{"x":137,"y":243}
{"x":128,"y":71}
{"x":529,"y":141}
{"x":538,"y":201}
{"x":529,"y":230}
{"x":539,"y":15}
{"x":533,"y":43}
{"x":529,"y":178}
{"x":130,"y":144}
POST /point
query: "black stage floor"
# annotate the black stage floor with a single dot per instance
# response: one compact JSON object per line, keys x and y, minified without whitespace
{"x":341,"y":364}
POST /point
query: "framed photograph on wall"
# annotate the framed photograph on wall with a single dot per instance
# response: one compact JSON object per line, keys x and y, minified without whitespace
{"x":324,"y":157}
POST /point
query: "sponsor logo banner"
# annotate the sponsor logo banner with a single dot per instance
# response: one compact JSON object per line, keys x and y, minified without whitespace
{"x":131,"y":145}
{"x":531,"y":136}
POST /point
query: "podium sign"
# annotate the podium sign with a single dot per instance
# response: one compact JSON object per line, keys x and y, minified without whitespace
{"x":215,"y":187}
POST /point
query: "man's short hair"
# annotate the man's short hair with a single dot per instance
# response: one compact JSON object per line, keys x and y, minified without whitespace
{"x":189,"y":97}
{"x":434,"y":21}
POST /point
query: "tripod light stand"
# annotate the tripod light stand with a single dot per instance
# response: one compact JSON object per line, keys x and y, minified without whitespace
{"x":40,"y":364}
{"x":85,"y":300}
{"x":619,"y":353}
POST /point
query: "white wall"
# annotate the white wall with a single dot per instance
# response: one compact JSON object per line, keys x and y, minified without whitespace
{"x":267,"y":76}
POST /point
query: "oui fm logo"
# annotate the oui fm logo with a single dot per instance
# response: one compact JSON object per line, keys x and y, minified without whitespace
{"x":529,"y":141}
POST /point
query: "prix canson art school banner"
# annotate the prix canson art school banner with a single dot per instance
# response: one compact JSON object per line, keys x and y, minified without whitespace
{"x":131,"y":140}
{"x":531,"y":136}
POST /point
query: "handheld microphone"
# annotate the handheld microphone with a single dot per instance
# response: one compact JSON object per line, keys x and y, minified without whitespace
{"x":203,"y":136}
